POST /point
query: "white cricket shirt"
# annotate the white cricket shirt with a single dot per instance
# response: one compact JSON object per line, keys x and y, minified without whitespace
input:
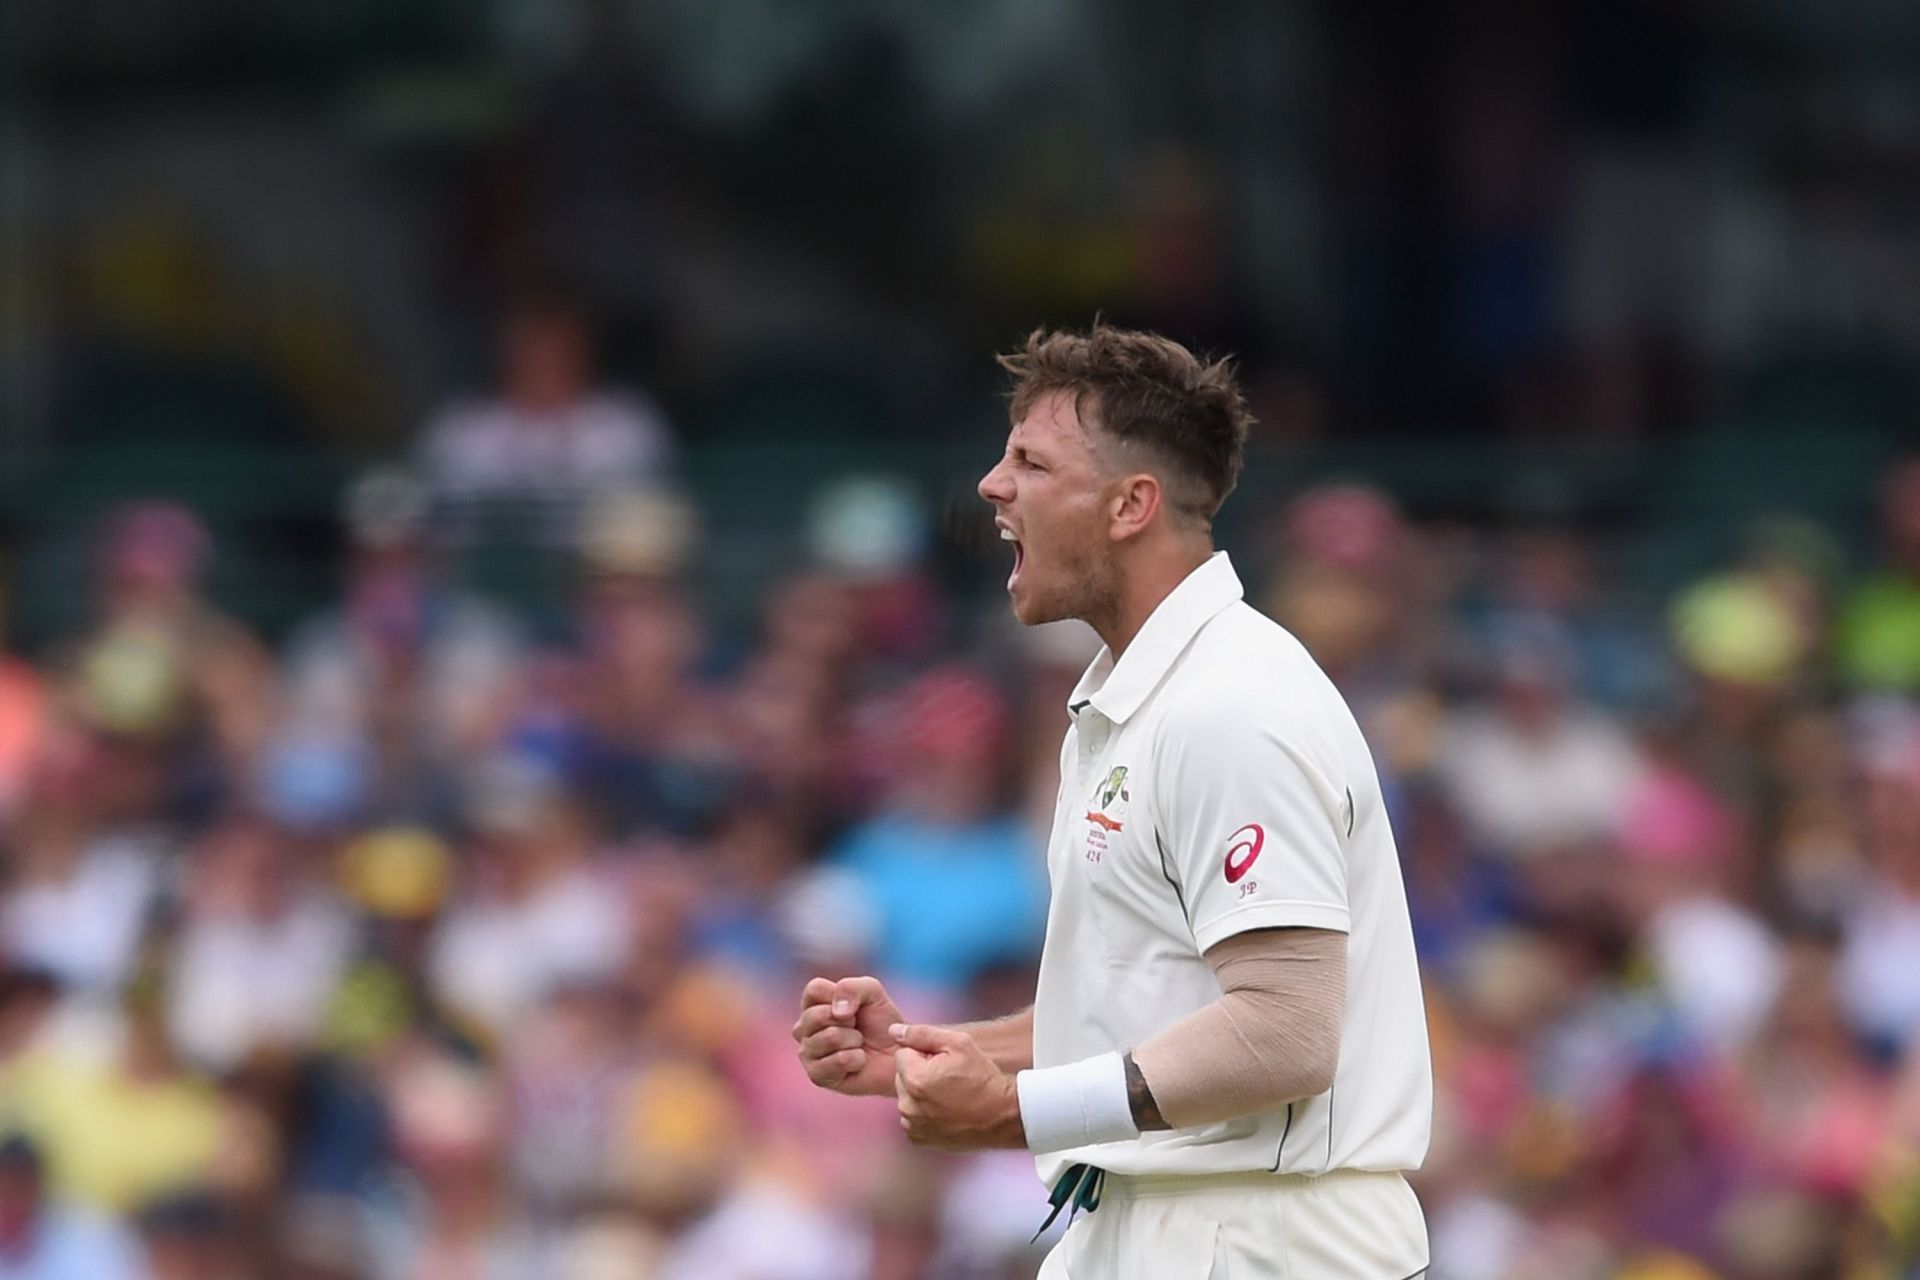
{"x":1214,"y":781}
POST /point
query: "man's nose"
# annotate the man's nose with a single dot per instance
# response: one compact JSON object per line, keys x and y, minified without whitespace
{"x":993,"y":484}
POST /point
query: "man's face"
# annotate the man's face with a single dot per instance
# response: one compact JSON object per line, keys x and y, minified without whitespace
{"x":1050,"y":497}
{"x":545,"y":359}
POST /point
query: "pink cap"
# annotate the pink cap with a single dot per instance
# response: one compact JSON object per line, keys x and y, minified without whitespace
{"x":1347,"y":525}
{"x":953,"y":713}
{"x":1672,"y":818}
{"x":157,"y":540}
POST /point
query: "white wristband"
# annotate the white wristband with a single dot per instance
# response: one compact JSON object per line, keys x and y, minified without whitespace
{"x":1076,"y":1105}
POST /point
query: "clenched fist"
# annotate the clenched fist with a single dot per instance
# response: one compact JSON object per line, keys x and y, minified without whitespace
{"x":844,"y":1035}
{"x":952,"y":1096}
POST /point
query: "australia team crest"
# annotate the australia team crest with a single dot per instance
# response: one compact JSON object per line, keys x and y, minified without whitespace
{"x":1107,"y":811}
{"x":1110,"y":798}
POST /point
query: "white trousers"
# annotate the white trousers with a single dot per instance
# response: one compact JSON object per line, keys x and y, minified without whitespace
{"x":1346,"y":1225}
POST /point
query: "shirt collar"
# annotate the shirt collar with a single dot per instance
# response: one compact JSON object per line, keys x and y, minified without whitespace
{"x":1116,"y":690}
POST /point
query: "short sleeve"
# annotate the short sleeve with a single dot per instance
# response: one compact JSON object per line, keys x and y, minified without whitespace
{"x":1250,"y":829}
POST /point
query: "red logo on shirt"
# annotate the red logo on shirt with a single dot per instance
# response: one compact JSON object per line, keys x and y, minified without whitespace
{"x":1247,"y":841}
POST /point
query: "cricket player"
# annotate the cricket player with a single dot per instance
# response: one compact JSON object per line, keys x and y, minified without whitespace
{"x":1224,"y":1074}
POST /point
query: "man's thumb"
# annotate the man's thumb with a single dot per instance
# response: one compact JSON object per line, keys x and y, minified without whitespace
{"x":850,"y":993}
{"x":925,"y":1038}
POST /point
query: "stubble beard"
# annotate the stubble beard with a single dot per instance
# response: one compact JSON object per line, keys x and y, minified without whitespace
{"x":1089,"y":592}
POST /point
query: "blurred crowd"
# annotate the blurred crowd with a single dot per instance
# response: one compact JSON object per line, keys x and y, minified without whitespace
{"x":443,"y":941}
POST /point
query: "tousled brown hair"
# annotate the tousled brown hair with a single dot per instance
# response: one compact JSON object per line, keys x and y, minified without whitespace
{"x":1184,"y":412}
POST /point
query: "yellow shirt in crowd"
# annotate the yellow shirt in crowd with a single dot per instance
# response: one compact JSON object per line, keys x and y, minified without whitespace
{"x":111,"y":1142}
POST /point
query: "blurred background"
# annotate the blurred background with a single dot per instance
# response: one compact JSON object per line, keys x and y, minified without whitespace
{"x":494,"y":599}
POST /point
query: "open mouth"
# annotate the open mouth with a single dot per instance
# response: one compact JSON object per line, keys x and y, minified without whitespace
{"x":1019,"y":555}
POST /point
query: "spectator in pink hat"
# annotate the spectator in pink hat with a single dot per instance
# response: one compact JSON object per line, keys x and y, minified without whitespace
{"x":1817,"y":1110}
{"x":1717,"y":961}
{"x":1338,"y":589}
{"x":954,"y":874}
{"x":162,"y":665}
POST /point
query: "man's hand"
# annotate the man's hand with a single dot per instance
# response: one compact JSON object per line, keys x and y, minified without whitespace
{"x":844,"y":1037}
{"x":951,"y":1094}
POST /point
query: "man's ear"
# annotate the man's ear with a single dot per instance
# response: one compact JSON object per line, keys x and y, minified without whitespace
{"x":1136,"y":501}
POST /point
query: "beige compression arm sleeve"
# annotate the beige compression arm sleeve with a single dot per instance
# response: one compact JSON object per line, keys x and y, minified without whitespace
{"x":1272,"y":1036}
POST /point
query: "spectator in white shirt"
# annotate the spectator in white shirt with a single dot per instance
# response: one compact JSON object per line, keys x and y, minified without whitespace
{"x":549,"y":440}
{"x":261,"y":949}
{"x":1537,"y":769}
{"x":540,"y":912}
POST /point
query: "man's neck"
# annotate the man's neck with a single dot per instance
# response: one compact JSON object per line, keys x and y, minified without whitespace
{"x":1142,"y":589}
